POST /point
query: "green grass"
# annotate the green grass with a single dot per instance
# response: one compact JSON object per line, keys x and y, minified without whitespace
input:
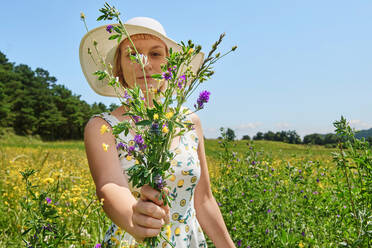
{"x":271,"y":195}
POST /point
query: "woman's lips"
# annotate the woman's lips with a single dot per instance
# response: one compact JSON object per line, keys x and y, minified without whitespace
{"x":147,"y":77}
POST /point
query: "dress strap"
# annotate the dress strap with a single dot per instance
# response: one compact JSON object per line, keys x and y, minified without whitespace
{"x":192,"y":133}
{"x":109,"y":118}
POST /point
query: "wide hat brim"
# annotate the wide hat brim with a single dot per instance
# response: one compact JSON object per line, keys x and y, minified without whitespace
{"x":107,"y":49}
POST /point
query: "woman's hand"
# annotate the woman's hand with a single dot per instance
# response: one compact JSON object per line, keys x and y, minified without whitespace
{"x":149,"y":214}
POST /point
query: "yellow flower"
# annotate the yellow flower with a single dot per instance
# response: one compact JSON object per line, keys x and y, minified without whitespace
{"x":172,"y":178}
{"x":48,"y":180}
{"x":300,"y":244}
{"x":105,"y":147}
{"x":129,"y":158}
{"x":321,"y":185}
{"x":190,"y":51}
{"x":177,"y":231}
{"x":82,"y":16}
{"x":112,"y":238}
{"x":118,"y":232}
{"x":168,"y":231}
{"x":165,"y":129}
{"x":169,"y":115}
{"x":156,"y":116}
{"x":104,"y":129}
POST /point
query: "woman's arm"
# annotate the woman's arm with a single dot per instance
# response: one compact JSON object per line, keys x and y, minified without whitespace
{"x":140,"y":218}
{"x":207,"y":210}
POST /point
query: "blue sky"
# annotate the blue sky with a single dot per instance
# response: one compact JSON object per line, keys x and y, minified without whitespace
{"x":299,"y":65}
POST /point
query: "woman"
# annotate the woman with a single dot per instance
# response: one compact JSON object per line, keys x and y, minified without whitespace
{"x":137,"y":213}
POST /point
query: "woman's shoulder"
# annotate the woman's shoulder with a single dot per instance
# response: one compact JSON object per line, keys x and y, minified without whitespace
{"x":95,"y":123}
{"x":108,"y":117}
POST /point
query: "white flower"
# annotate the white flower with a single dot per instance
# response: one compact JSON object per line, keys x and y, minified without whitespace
{"x":142,"y":58}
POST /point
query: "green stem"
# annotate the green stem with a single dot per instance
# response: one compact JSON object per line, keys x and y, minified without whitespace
{"x":348,"y":182}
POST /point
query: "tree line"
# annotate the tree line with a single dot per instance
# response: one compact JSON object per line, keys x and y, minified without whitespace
{"x":329,"y":140}
{"x":32,"y":103}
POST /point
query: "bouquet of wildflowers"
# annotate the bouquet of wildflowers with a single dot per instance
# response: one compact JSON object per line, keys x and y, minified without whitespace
{"x":158,"y":122}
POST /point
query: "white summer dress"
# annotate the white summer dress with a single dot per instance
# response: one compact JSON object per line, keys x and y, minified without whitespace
{"x":186,"y":231}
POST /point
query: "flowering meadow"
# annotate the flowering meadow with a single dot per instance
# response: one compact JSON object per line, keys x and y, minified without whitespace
{"x":271,"y":194}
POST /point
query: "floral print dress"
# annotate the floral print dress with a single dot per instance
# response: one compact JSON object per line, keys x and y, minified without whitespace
{"x":185,"y":229}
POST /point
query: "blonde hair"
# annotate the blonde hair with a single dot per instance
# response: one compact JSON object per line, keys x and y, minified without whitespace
{"x":117,"y":70}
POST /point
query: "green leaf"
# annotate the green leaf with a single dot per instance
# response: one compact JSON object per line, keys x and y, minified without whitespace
{"x":157,"y":76}
{"x":157,"y":106}
{"x":113,"y":37}
{"x":101,"y":17}
{"x":144,"y":123}
{"x":117,"y":29}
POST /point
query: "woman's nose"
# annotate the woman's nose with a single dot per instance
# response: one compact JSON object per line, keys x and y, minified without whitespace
{"x":148,"y":65}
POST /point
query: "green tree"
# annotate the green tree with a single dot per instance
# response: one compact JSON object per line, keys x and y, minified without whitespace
{"x":230,"y":134}
{"x":258,"y":136}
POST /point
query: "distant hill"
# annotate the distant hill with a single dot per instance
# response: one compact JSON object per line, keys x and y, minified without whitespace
{"x":363,"y":133}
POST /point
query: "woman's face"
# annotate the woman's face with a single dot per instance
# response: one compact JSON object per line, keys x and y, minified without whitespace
{"x":156,"y":52}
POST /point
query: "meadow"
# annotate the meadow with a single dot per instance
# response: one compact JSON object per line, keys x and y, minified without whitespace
{"x":271,"y":194}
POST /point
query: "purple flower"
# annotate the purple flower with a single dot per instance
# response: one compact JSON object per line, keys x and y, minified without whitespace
{"x":230,"y":212}
{"x":299,"y":171}
{"x":155,"y":128}
{"x":234,"y":228}
{"x":267,"y":231}
{"x":109,"y":28}
{"x":303,"y":234}
{"x":269,"y":211}
{"x":315,"y":192}
{"x":264,"y":190}
{"x":127,"y":97}
{"x":130,"y":150}
{"x":250,"y":200}
{"x":203,"y":98}
{"x":121,"y":146}
{"x":47,"y":227}
{"x":48,"y":200}
{"x":253,"y":162}
{"x":239,"y":243}
{"x":168,"y":74}
{"x":136,"y":118}
{"x":181,"y":81}
{"x":138,"y":139}
{"x":317,"y":180}
{"x":338,"y":216}
{"x":98,"y":245}
{"x":302,"y":191}
{"x":160,"y":183}
{"x":242,"y":193}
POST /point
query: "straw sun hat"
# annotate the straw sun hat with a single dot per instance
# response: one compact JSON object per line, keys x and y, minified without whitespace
{"x":107,"y":49}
